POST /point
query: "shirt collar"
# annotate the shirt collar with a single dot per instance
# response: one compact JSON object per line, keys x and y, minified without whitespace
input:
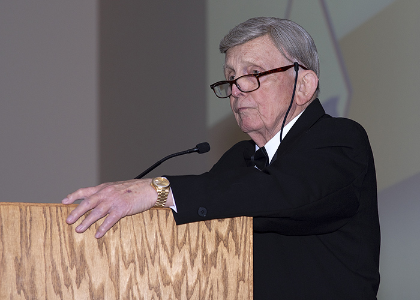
{"x":272,"y":145}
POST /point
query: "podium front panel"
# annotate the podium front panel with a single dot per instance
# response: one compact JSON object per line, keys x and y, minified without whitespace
{"x":145,"y":256}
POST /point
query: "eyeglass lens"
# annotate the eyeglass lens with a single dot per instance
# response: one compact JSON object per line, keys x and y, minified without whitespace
{"x":247,"y":83}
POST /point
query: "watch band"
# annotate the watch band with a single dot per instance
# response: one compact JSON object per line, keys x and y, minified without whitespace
{"x":161,"y":185}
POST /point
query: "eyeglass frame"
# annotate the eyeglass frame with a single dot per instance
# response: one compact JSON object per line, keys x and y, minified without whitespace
{"x":257,"y":76}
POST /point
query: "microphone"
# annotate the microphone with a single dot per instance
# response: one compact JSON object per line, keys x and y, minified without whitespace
{"x":200,"y":149}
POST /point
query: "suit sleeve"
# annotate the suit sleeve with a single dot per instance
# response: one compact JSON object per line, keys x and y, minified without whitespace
{"x":314,"y":187}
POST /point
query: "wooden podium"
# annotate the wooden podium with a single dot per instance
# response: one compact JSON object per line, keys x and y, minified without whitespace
{"x":145,"y":256}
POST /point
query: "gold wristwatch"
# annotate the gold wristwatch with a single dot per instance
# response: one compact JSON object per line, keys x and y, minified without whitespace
{"x":161,"y":185}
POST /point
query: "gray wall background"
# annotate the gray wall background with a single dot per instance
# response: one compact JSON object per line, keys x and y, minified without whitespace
{"x":97,"y":91}
{"x":94,"y":91}
{"x":48,"y":99}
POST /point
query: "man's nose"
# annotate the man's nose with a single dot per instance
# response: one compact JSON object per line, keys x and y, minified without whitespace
{"x":235,"y":91}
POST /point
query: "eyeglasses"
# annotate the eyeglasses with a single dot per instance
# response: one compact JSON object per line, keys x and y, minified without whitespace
{"x":246,"y":83}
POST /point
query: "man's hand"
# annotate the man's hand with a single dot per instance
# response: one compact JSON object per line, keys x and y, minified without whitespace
{"x":115,"y":199}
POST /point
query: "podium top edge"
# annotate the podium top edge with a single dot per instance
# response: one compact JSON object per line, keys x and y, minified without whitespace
{"x":53,"y":204}
{"x":35,"y":204}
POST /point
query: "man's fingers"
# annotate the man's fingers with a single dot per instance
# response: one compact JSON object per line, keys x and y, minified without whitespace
{"x":86,"y":205}
{"x":96,"y":214}
{"x":107,"y":224}
{"x":115,"y":199}
{"x":80,"y":194}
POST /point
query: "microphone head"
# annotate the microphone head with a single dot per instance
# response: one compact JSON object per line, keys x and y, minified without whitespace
{"x":203,"y":148}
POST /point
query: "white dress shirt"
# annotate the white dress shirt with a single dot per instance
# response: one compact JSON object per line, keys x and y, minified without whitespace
{"x":272,"y":145}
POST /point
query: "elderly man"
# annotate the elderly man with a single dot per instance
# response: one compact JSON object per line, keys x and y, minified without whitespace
{"x":307,"y":179}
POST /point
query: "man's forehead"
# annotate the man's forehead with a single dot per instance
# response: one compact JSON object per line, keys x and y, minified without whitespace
{"x":259,"y":51}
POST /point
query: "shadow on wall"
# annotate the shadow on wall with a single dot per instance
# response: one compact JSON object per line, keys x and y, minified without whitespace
{"x":399,"y":211}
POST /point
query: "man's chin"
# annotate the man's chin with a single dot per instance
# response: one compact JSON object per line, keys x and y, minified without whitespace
{"x":248,"y":129}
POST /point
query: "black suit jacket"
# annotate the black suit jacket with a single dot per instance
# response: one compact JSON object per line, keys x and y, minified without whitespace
{"x":316,"y":227}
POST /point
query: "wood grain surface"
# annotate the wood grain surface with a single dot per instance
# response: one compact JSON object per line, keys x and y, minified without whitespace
{"x":145,"y":256}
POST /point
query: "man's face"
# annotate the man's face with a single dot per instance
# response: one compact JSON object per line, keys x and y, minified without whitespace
{"x":260,"y":113}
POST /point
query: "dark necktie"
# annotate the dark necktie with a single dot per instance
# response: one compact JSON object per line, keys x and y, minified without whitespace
{"x":259,"y":159}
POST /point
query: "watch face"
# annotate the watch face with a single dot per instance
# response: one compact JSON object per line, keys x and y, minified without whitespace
{"x":161,"y":182}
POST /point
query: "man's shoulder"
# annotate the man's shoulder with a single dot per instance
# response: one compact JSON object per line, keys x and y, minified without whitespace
{"x":339,"y":124}
{"x":315,"y":116}
{"x":338,"y":130}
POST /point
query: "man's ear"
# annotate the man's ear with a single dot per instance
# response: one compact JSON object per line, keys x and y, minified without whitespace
{"x":306,"y":87}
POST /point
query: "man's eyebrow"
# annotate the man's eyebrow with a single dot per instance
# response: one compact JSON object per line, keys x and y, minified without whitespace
{"x":225,"y":67}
